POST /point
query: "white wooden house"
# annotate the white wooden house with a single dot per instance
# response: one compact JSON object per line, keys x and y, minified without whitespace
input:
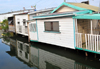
{"x":58,"y":28}
{"x":21,"y":23}
{"x":11,"y":18}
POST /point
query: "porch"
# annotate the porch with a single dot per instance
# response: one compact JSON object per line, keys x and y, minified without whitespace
{"x":87,"y":34}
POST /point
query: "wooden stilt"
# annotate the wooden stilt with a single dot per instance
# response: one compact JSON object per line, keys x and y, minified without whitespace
{"x":86,"y":54}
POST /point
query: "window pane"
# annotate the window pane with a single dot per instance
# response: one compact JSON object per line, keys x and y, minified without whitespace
{"x":56,"y":26}
{"x":32,"y":27}
{"x":47,"y":26}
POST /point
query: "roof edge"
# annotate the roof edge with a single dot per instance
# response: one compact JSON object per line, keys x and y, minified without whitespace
{"x":69,"y":5}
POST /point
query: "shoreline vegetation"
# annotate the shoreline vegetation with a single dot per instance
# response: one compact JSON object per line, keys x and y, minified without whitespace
{"x":4,"y":28}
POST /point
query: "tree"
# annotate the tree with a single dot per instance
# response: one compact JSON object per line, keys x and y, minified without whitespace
{"x":4,"y":25}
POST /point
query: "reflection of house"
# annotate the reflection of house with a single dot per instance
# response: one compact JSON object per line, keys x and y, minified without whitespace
{"x":19,"y":47}
{"x":6,"y":40}
{"x":47,"y":58}
{"x":23,"y":51}
{"x":13,"y":47}
{"x":42,"y":56}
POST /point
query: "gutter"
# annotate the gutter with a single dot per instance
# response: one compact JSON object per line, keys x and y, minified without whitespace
{"x":53,"y":16}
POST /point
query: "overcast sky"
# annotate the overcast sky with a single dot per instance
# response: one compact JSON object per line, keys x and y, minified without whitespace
{"x":14,"y":5}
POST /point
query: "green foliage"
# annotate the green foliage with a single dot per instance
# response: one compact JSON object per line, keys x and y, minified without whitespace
{"x":4,"y":25}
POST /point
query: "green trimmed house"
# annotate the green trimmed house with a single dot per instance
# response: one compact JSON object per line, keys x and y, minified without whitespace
{"x":70,"y":25}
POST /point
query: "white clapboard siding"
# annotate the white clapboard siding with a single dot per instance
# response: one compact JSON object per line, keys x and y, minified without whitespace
{"x":64,"y":39}
{"x":19,"y":18}
{"x":32,"y":31}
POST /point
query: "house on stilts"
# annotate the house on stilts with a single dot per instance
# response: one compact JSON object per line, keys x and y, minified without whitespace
{"x":70,"y":25}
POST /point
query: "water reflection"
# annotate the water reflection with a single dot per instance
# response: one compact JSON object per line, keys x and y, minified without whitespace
{"x":42,"y":56}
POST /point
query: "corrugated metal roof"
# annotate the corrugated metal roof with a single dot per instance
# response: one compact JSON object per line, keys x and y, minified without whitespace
{"x":86,"y":6}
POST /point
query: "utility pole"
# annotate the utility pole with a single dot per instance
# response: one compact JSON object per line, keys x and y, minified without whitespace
{"x":64,"y":0}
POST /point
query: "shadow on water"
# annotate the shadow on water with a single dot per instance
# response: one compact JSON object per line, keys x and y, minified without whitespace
{"x":44,"y":56}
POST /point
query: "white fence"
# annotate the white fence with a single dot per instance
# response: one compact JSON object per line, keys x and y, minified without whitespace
{"x":92,"y":41}
{"x":79,"y":40}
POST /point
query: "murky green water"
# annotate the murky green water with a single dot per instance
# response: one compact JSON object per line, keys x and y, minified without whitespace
{"x":17,"y":53}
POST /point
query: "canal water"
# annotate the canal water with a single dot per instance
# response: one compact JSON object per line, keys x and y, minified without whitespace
{"x":17,"y":53}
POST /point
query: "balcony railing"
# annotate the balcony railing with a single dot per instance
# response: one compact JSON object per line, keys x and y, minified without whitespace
{"x":92,"y":41}
{"x":22,"y":29}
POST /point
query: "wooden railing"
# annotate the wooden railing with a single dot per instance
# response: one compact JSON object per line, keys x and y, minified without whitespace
{"x":92,"y":42}
{"x":79,"y":40}
{"x":12,"y":28}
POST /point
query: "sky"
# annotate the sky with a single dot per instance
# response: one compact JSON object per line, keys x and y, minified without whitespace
{"x":14,"y":5}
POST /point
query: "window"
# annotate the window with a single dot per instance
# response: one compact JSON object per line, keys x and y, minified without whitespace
{"x":52,"y":26}
{"x":18,"y":21}
{"x":32,"y":27}
{"x":24,"y":22}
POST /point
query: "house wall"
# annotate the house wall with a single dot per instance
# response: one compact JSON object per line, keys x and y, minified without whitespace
{"x":21,"y":17}
{"x":64,"y":39}
{"x":32,"y":35}
{"x":65,"y":9}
